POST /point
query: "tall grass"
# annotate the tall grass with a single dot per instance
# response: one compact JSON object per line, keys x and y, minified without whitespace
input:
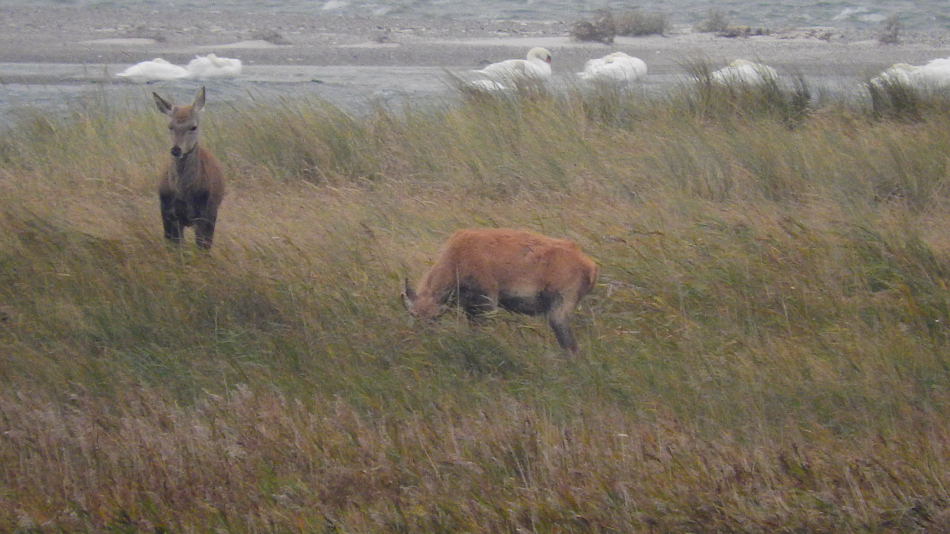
{"x":726,"y":101}
{"x":892,"y":98}
{"x":766,"y":349}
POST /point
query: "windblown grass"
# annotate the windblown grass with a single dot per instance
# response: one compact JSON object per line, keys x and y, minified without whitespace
{"x":766,"y":350}
{"x":727,"y":101}
{"x":894,"y":99}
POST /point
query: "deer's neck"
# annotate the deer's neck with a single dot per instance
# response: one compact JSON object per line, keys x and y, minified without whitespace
{"x":188,"y":169}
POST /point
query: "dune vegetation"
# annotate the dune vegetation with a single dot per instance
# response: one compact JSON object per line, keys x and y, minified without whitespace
{"x":766,"y":349}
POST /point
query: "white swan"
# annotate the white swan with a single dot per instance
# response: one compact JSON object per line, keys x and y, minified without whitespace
{"x":743,"y":71}
{"x":200,"y":68}
{"x":156,"y":69}
{"x":212,"y":66}
{"x":488,"y":86}
{"x":935,"y":74}
{"x":614,"y":68}
{"x":511,"y":72}
{"x":897,"y":73}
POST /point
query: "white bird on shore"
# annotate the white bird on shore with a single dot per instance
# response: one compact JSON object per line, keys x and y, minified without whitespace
{"x":488,"y":86}
{"x":156,"y":69}
{"x":896,"y":73}
{"x":212,"y":66}
{"x":743,"y":71}
{"x":536,"y":68}
{"x":202,"y":67}
{"x":617,"y":67}
{"x":935,"y":74}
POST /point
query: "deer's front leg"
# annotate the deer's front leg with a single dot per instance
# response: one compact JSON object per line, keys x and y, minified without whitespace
{"x":169,"y":218}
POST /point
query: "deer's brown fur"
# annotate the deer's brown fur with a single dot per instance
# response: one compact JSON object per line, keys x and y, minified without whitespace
{"x":192,"y":186}
{"x":517,"y":270}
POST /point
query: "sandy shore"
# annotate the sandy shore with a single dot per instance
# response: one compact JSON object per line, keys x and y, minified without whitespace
{"x":37,"y":45}
{"x":115,"y":34}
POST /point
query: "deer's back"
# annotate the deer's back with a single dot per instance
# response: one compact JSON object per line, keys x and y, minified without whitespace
{"x":504,"y":258}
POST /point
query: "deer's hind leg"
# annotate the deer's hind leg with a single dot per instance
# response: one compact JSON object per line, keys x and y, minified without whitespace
{"x":205,"y":218}
{"x":204,"y":231}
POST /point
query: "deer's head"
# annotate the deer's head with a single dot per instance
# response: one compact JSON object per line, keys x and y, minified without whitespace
{"x":183,"y":123}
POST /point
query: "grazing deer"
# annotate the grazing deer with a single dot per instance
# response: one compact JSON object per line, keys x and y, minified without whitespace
{"x":523,"y":272}
{"x":192,"y":187}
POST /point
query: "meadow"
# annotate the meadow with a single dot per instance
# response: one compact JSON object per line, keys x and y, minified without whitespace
{"x":766,"y":349}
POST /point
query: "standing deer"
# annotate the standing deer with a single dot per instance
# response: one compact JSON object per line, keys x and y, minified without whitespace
{"x":520,"y":271}
{"x":192,"y":187}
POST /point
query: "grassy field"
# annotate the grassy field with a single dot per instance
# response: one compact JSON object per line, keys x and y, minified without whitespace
{"x":766,"y":350}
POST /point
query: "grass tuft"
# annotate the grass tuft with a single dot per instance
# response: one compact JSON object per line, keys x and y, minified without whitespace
{"x":891,"y":29}
{"x":716,"y":21}
{"x":602,"y":28}
{"x":608,"y":24}
{"x":894,"y":99}
{"x":710,"y":97}
{"x":635,"y":23}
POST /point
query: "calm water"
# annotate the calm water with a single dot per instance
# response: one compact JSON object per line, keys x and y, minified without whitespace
{"x":915,"y":14}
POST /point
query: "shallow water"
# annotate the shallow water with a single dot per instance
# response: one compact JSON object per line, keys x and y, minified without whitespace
{"x":64,"y":87}
{"x":68,"y":88}
{"x":776,"y":14}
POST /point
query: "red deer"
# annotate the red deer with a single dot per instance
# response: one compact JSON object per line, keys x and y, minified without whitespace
{"x":523,"y":272}
{"x":192,"y":187}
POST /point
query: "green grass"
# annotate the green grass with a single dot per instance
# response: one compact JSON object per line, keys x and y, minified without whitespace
{"x":766,"y":349}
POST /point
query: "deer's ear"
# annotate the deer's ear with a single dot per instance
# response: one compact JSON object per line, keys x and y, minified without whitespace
{"x":163,"y":105}
{"x":199,"y":100}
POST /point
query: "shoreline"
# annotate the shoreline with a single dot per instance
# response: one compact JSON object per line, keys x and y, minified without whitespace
{"x":129,"y":34}
{"x":50,"y":55}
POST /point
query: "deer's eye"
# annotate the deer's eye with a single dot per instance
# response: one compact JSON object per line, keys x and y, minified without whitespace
{"x":193,"y":128}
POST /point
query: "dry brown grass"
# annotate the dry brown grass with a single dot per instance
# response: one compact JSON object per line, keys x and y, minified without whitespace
{"x":261,"y":461}
{"x":766,"y":351}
